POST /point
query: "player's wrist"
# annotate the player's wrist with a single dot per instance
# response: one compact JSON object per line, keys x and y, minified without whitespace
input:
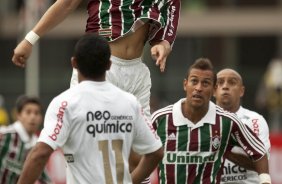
{"x":264,"y":178}
{"x":31,"y":37}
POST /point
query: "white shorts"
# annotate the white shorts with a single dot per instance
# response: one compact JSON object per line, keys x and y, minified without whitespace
{"x":132,"y":76}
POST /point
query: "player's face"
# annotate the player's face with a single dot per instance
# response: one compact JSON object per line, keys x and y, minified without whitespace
{"x":229,"y":90}
{"x":199,"y":88}
{"x":30,"y":117}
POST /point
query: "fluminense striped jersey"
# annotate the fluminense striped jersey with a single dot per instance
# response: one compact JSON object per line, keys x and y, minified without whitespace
{"x":14,"y":147}
{"x":195,"y":153}
{"x":114,"y":18}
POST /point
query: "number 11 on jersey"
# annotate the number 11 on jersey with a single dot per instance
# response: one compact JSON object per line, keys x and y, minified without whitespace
{"x":117,"y":148}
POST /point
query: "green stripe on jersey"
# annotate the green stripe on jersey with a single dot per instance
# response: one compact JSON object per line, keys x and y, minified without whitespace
{"x":225,"y":131}
{"x":161,"y":131}
{"x":205,"y":134}
{"x":5,"y":148}
{"x":104,"y":14}
{"x":182,"y":137}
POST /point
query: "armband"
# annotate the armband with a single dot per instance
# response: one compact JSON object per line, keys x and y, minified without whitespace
{"x":31,"y":37}
{"x":264,"y":178}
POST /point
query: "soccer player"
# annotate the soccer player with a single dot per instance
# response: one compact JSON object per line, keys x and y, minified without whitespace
{"x":228,"y":93}
{"x":17,"y":139}
{"x":127,"y":25}
{"x":96,"y":124}
{"x":197,"y":134}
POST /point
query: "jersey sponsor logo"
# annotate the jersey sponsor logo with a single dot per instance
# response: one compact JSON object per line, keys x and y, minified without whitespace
{"x":215,"y":141}
{"x":69,"y":158}
{"x":107,"y":125}
{"x":233,"y":169}
{"x":255,"y":126}
{"x":233,"y":179}
{"x":249,"y":152}
{"x":13,"y":165}
{"x":171,"y":29}
{"x":172,"y":137}
{"x":183,"y":157}
{"x":60,"y":116}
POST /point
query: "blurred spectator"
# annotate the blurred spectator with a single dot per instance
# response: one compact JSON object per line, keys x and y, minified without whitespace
{"x":17,"y":139}
{"x":269,"y":94}
{"x":4,"y":116}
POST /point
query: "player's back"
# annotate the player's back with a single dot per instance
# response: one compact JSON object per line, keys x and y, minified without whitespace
{"x":99,"y":126}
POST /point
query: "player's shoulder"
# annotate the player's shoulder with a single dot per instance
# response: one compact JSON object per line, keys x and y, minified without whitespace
{"x":247,"y":114}
{"x":10,"y":129}
{"x":162,"y":112}
{"x":232,"y":117}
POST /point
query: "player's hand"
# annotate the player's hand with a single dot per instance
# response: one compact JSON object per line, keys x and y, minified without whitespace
{"x":159,"y":52}
{"x":21,"y":53}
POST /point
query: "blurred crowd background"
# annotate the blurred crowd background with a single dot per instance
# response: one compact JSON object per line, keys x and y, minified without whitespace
{"x":245,"y":35}
{"x":242,"y":34}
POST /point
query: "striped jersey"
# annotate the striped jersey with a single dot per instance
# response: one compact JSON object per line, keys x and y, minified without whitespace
{"x":115,"y":18}
{"x":195,"y":153}
{"x":233,"y":173}
{"x":15,"y":144}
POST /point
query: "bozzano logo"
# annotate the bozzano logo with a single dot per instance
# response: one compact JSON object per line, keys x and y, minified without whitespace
{"x":183,"y":157}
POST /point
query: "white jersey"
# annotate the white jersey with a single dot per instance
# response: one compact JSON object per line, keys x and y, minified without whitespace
{"x":96,"y":124}
{"x":232,"y":173}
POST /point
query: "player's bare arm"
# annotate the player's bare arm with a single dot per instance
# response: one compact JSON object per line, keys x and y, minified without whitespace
{"x":160,"y":52}
{"x":146,"y":166}
{"x":35,"y":162}
{"x":241,"y":160}
{"x":53,"y":16}
{"x":261,"y":167}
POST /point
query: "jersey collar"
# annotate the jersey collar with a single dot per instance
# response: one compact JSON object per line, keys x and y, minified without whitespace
{"x":179,"y":119}
{"x":29,"y":141}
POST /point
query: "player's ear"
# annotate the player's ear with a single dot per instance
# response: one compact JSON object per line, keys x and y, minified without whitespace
{"x":109,"y":65}
{"x":74,"y":62}
{"x":184,"y":84}
{"x":242,"y":91}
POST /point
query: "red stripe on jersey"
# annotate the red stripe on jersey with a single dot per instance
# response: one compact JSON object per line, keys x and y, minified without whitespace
{"x":171,"y":146}
{"x":116,"y":17}
{"x":136,"y":9}
{"x":93,"y":21}
{"x":215,"y":132}
{"x":193,"y":146}
{"x":16,"y":140}
{"x":4,"y":176}
{"x":154,"y":12}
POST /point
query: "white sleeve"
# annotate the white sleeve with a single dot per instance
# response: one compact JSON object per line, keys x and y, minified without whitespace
{"x":145,"y":138}
{"x":56,"y":124}
{"x":264,"y":133}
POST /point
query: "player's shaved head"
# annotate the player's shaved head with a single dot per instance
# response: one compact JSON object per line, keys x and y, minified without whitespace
{"x":230,"y":72}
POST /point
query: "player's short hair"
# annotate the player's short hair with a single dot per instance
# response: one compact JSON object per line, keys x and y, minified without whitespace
{"x":202,"y":64}
{"x":92,"y":53}
{"x":23,"y":100}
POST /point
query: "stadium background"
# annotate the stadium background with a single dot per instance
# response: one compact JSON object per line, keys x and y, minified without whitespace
{"x":243,"y":34}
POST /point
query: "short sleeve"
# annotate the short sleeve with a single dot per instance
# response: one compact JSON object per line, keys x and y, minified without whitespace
{"x":56,"y":124}
{"x":145,"y":139}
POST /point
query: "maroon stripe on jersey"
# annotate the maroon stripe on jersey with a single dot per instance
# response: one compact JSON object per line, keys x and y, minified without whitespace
{"x":170,"y":168}
{"x":16,"y":140}
{"x":93,"y":21}
{"x":215,"y":131}
{"x":116,"y":17}
{"x":136,"y":9}
{"x":4,"y":176}
{"x":193,"y":146}
{"x":249,"y":149}
{"x":154,"y":12}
